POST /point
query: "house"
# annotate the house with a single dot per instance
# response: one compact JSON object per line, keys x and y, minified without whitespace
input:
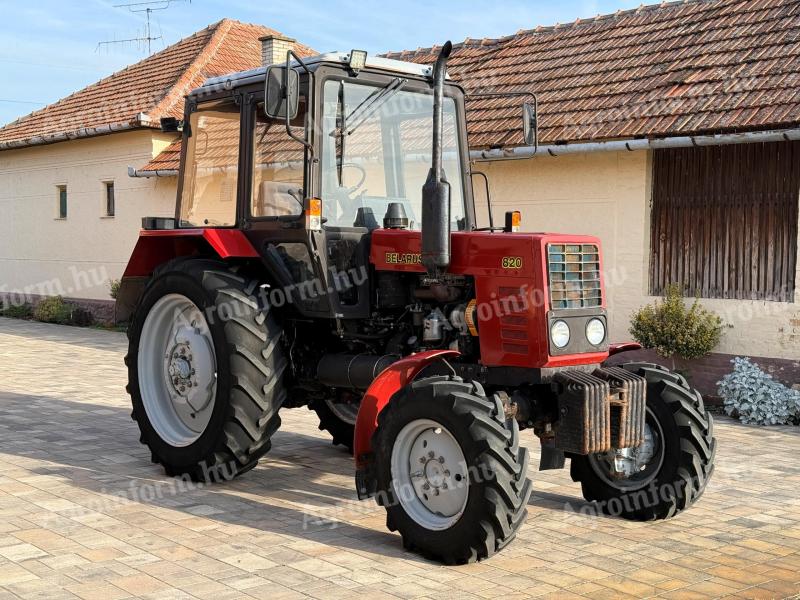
{"x":670,"y":131}
{"x":71,"y":212}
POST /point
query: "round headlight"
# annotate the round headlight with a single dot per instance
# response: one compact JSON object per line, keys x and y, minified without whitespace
{"x":595,"y":332}
{"x":559,"y":333}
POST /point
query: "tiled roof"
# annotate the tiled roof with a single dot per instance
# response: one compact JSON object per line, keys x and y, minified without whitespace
{"x":678,"y":68}
{"x":142,"y":93}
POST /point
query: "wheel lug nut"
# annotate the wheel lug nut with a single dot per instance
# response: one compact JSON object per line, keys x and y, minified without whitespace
{"x":441,"y":459}
{"x":431,"y":454}
{"x":444,"y":486}
{"x":436,"y":491}
{"x":426,"y":486}
{"x":422,"y":459}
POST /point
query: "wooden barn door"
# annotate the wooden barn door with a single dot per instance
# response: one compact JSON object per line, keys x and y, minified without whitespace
{"x":724,"y":220}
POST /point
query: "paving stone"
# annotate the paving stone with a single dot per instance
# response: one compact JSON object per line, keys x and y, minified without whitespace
{"x":85,"y":514}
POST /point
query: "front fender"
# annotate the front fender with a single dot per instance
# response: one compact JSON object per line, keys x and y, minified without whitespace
{"x":387,"y":384}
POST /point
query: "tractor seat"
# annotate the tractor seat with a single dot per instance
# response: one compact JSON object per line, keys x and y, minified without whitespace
{"x":278,"y":199}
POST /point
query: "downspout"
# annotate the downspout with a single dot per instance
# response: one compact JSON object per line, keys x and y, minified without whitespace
{"x":778,"y":135}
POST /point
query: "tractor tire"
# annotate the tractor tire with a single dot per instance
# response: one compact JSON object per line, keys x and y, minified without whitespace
{"x":341,"y":427}
{"x":200,"y":329}
{"x":681,"y":447}
{"x":449,"y":470}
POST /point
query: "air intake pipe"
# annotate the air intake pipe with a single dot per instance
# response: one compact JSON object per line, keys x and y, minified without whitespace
{"x":436,"y":191}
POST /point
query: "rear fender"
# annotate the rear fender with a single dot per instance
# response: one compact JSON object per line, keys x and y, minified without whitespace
{"x":159,"y":246}
{"x":156,"y":247}
{"x":387,"y":384}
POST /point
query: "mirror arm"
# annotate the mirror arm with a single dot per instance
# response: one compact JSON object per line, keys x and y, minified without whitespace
{"x":488,"y":197}
{"x":513,"y":95}
{"x":289,"y":55}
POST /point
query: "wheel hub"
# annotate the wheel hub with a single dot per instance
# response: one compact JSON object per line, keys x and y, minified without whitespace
{"x":627,"y":462}
{"x":429,"y":474}
{"x":177,"y":370}
{"x":636,"y":466}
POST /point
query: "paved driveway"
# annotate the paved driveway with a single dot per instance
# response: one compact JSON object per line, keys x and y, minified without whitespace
{"x":83,"y":512}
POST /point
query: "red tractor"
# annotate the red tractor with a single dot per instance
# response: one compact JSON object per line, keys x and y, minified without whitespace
{"x":425,"y":343}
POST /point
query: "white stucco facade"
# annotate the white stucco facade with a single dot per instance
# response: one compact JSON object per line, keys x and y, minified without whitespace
{"x":76,"y":257}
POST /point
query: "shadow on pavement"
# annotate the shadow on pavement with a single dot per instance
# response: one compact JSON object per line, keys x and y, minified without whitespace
{"x":294,"y":491}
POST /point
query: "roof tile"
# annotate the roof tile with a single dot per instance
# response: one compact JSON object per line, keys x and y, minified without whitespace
{"x":671,"y":69}
{"x":154,"y":87}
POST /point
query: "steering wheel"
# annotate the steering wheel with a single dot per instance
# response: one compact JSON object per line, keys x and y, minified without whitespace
{"x":354,"y":188}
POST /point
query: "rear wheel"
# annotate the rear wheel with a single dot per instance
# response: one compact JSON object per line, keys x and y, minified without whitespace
{"x":450,"y":471}
{"x":205,"y":369}
{"x":670,"y":471}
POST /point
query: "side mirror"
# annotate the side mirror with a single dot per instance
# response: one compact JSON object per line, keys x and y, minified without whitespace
{"x":530,"y":123}
{"x":281,"y":95}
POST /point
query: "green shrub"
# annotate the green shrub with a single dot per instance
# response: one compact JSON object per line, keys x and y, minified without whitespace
{"x":18,"y":311}
{"x":113,"y":288}
{"x":672,"y":329}
{"x":53,"y":309}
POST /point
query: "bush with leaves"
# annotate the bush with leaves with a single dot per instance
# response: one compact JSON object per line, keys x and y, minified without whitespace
{"x":17,"y":311}
{"x":53,"y":309}
{"x":113,"y":288}
{"x":756,"y":398}
{"x":673,"y":329}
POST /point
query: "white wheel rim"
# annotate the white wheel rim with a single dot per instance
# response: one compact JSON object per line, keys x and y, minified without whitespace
{"x":429,"y":474}
{"x":177,"y":369}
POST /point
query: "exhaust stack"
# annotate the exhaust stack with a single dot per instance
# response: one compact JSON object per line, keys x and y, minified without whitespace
{"x":436,"y":191}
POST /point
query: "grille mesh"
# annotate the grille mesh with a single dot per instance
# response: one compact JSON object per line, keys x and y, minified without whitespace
{"x":573,"y":273}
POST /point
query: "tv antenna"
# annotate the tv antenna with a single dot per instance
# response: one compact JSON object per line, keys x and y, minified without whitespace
{"x":148,"y":8}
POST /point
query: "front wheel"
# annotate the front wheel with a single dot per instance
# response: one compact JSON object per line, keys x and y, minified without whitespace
{"x":338,"y":417}
{"x":670,"y":470}
{"x":450,"y":471}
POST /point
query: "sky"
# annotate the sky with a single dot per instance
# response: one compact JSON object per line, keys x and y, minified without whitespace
{"x":51,"y":48}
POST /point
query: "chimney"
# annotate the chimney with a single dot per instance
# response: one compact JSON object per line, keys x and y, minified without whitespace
{"x":274,"y":48}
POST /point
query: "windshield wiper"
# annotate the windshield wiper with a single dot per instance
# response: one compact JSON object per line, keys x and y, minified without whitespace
{"x":367,"y":108}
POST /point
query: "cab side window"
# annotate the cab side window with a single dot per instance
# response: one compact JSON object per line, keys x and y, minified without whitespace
{"x":212,"y":167}
{"x":278,"y":168}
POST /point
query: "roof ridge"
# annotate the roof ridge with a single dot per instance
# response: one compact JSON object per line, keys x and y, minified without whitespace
{"x":642,"y":8}
{"x":112,"y":75}
{"x":477,"y":42}
{"x":181,"y":87}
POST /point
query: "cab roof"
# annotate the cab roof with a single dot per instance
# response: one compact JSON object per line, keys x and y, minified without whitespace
{"x":242,"y":78}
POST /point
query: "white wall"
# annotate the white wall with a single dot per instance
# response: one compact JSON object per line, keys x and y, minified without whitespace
{"x":607,"y":194}
{"x":75,"y":257}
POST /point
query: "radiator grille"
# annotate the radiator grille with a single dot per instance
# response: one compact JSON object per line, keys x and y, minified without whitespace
{"x":573,"y":273}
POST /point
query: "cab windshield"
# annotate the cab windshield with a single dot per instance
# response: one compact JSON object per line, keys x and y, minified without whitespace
{"x":376,"y":149}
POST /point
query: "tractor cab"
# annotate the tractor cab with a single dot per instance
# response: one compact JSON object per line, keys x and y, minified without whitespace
{"x":308,"y":161}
